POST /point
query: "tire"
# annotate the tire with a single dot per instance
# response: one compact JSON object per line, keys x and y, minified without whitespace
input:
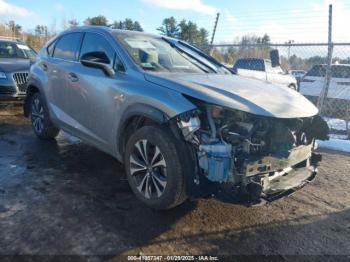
{"x":164,"y":170}
{"x":39,"y":115}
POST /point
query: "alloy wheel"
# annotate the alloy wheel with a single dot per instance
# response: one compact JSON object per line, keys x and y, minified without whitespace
{"x":148,"y":169}
{"x":37,"y":115}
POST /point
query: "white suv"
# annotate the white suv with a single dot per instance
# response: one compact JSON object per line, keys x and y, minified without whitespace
{"x":262,"y":69}
{"x":339,"y":89}
{"x":313,"y":81}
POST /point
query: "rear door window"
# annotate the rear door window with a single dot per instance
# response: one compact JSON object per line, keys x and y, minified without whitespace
{"x":257,"y":65}
{"x":250,"y":64}
{"x":67,"y":47}
{"x":238,"y":65}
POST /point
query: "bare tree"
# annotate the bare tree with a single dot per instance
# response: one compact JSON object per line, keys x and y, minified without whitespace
{"x":73,"y":23}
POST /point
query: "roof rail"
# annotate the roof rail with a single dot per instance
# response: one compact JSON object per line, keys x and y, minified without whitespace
{"x":10,"y":38}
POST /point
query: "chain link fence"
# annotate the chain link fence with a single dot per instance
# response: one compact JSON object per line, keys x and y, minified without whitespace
{"x":304,"y":67}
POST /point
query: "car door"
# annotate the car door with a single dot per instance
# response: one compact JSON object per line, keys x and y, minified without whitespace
{"x":275,"y":74}
{"x":253,"y":68}
{"x":258,"y":69}
{"x":96,"y":95}
{"x":58,"y":65}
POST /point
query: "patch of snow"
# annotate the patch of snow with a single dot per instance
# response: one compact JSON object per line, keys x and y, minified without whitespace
{"x":335,"y":144}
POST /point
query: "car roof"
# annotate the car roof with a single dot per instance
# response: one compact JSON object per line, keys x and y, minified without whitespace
{"x":106,"y":29}
{"x":11,"y":41}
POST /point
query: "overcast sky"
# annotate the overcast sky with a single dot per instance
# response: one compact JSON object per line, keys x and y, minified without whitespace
{"x":298,"y":20}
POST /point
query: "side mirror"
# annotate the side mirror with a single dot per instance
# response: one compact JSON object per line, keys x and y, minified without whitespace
{"x":275,"y":58}
{"x":98,"y":60}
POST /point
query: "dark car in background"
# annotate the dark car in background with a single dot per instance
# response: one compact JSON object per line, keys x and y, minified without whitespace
{"x":262,"y":69}
{"x":15,"y":60}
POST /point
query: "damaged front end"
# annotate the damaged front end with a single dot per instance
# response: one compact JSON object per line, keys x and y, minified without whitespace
{"x":254,"y":157}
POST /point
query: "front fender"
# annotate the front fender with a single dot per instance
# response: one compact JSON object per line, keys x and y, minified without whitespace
{"x":33,"y":86}
{"x":159,"y":107}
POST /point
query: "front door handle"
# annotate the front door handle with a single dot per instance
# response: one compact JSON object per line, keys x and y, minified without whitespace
{"x":73,"y":77}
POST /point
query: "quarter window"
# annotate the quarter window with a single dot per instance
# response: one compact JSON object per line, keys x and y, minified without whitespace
{"x":68,"y":46}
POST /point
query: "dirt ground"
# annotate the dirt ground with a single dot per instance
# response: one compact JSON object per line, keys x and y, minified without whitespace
{"x":67,"y":198}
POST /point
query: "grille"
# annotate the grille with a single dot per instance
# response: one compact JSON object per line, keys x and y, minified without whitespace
{"x":6,"y":90}
{"x":21,"y":80}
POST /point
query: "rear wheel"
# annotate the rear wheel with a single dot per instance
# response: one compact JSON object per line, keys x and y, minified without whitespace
{"x":41,"y":123}
{"x":154,"y":167}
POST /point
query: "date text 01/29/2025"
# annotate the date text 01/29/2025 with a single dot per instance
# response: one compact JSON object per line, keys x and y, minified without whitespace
{"x":172,"y":258}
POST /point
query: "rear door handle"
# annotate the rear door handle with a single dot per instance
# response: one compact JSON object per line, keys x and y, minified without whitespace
{"x":73,"y":77}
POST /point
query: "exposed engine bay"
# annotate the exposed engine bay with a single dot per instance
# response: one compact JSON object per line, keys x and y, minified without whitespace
{"x":260,"y":155}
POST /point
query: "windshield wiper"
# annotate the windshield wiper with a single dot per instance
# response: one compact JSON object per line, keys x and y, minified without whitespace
{"x":193,"y":61}
{"x":208,"y":57}
{"x":189,"y":55}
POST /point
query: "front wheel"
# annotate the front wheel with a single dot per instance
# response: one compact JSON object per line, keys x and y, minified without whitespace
{"x":155,"y":167}
{"x":41,"y":123}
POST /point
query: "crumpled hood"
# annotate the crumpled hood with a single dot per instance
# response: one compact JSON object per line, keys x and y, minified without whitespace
{"x":14,"y":65}
{"x":235,"y":92}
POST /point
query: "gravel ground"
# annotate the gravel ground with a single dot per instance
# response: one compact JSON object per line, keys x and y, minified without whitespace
{"x":65,"y":197}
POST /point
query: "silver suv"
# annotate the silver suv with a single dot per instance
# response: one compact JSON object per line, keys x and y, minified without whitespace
{"x":15,"y":60}
{"x":176,"y":118}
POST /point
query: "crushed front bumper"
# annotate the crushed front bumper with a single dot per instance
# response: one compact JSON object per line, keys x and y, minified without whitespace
{"x":288,"y":184}
{"x":265,"y":178}
{"x":270,"y":178}
{"x":291,"y":179}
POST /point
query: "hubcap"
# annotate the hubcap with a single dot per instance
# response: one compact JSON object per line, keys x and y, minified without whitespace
{"x":148,"y":169}
{"x":37,"y":115}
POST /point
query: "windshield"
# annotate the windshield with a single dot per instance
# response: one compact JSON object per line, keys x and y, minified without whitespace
{"x":160,"y":55}
{"x":16,"y":50}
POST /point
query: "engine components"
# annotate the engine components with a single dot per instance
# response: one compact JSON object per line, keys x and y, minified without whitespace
{"x":243,"y":151}
{"x":189,"y":127}
{"x":215,"y":161}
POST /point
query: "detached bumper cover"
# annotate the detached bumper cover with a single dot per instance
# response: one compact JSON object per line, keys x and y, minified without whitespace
{"x":292,"y":180}
{"x":271,"y":163}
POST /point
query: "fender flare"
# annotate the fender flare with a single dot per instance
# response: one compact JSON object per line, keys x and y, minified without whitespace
{"x":137,"y":110}
{"x":32,"y":83}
